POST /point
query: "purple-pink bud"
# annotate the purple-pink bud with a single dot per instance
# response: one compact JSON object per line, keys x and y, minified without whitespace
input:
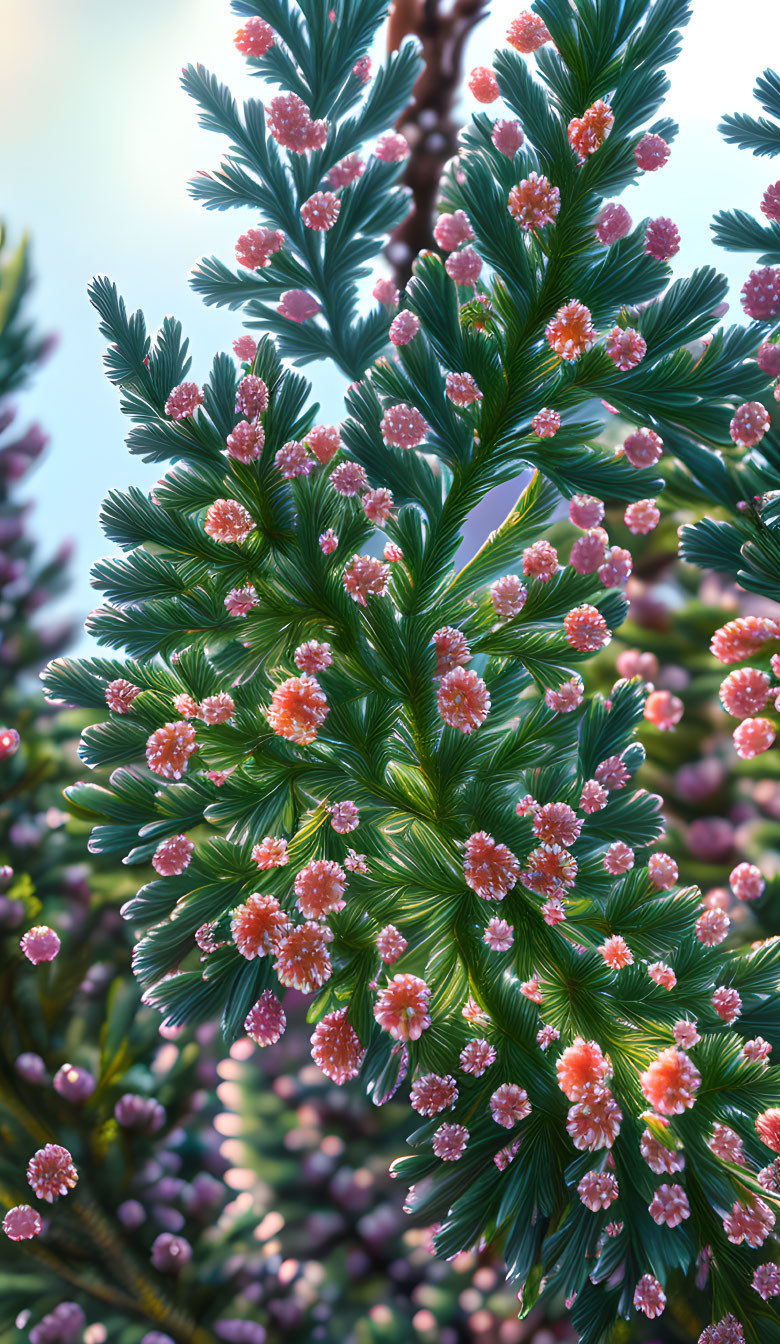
{"x":768,"y":358}
{"x":75,"y":1084}
{"x":10,"y":742}
{"x":131,"y":1214}
{"x":11,"y":912}
{"x":61,"y":1326}
{"x":144,"y":1113}
{"x":240,"y":1332}
{"x":40,"y":944}
{"x":170,"y":1253}
{"x":30,"y":1067}
{"x":613,"y":223}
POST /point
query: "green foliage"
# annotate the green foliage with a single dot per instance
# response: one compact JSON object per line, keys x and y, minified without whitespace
{"x":28,"y":580}
{"x":315,"y":63}
{"x":746,"y":545}
{"x":757,"y":134}
{"x":737,"y":230}
{"x":81,"y":1009}
{"x":427,"y":792}
{"x":320,"y":1159}
{"x":20,"y":348}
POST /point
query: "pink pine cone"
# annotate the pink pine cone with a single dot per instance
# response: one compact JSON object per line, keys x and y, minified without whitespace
{"x":507,"y":136}
{"x":10,"y":742}
{"x":651,"y":153}
{"x":266,"y":1021}
{"x":464,"y":267}
{"x":392,"y":147}
{"x":40,"y":944}
{"x":749,"y":425}
{"x":298,"y":306}
{"x":483,"y":84}
{"x":321,"y":211}
{"x":761,"y":294}
{"x":770,"y":203}
{"x":21,"y":1223}
{"x":626,"y":348}
{"x":613,"y":223}
{"x":404,"y":327}
{"x":452,"y":230}
{"x":255,"y":38}
{"x":662,"y":239}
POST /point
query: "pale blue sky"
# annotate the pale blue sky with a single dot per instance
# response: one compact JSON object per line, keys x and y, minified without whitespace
{"x":98,"y":144}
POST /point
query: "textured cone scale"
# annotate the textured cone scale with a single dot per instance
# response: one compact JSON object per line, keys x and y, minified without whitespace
{"x":534,"y":202}
{"x":527,"y":32}
{"x":51,"y":1172}
{"x":464,"y":267}
{"x":336,"y":1048}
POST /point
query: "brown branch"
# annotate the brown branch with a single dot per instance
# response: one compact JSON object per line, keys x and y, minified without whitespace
{"x":428,"y":122}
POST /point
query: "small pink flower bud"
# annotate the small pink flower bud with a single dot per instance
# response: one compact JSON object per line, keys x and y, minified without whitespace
{"x":21,"y":1223}
{"x":298,"y":306}
{"x":452,"y":230}
{"x":746,"y":882}
{"x":462,"y":389}
{"x":385,"y":292}
{"x":567,"y":697}
{"x":321,"y":211}
{"x":540,"y":561}
{"x":618,"y":858}
{"x":483,"y":84}
{"x":663,"y":710}
{"x":770,"y":203}
{"x":404,"y":327}
{"x":183,"y":401}
{"x":750,"y":424}
{"x":625,"y":347}
{"x":245,"y":348}
{"x":616,"y":567}
{"x":40,"y":944}
{"x":508,"y":595}
{"x":507,"y":136}
{"x":585,"y":629}
{"x":662,"y":239}
{"x":527,"y":33}
{"x":643,"y":448}
{"x":392,"y":147}
{"x":752,"y":737}
{"x":255,"y":38}
{"x":464,"y":267}
{"x":642,"y":516}
{"x":346,"y":171}
{"x":546,"y":423}
{"x":651,"y":153}
{"x":255,"y":248}
{"x":293,"y":460}
{"x":768,"y":358}
{"x":571,"y":332}
{"x":761,"y":294}
{"x":534,"y":202}
{"x":586,"y":511}
{"x":10,"y":742}
{"x":613,"y":223}
{"x":403,"y":426}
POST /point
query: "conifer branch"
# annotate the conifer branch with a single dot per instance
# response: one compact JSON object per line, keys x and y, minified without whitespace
{"x":287,"y":692}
